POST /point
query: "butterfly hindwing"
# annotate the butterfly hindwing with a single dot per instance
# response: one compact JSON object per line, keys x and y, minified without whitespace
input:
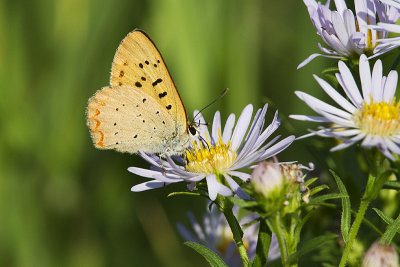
{"x":128,"y":119}
{"x":138,"y":63}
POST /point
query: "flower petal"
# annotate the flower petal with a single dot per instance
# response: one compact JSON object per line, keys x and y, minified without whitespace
{"x":338,"y":98}
{"x":236,"y":188}
{"x":377,"y":92}
{"x":147,"y":186}
{"x":241,"y":126}
{"x":350,"y":86}
{"x":216,"y":126}
{"x":230,"y":122}
{"x":214,"y":187}
{"x":390,"y":86}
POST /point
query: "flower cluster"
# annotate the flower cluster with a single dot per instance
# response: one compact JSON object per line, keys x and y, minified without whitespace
{"x":350,"y":34}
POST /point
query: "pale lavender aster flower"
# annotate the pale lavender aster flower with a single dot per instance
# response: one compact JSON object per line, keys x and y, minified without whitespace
{"x":214,"y":233}
{"x":227,"y":151}
{"x":370,"y":114}
{"x":388,"y":44}
{"x":350,"y":35}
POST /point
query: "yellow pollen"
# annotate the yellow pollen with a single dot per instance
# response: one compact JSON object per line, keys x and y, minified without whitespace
{"x":210,"y":159}
{"x":382,"y":119}
{"x":371,"y":42}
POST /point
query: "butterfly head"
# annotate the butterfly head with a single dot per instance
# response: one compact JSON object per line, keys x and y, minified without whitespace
{"x":194,"y":130}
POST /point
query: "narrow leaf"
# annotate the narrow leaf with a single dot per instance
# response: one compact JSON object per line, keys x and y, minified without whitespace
{"x":310,"y":181}
{"x":321,"y":199}
{"x":346,"y":208}
{"x":310,"y":245}
{"x":382,"y":179}
{"x":391,"y":231}
{"x":183,"y":193}
{"x":318,"y":189}
{"x":393,"y":185}
{"x":213,"y":259}
{"x":383,"y":216}
{"x":263,"y":244}
{"x":242,"y":203}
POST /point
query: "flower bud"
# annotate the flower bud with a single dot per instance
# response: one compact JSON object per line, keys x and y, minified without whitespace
{"x":266,"y":178}
{"x":268,"y":184}
{"x":380,"y":255}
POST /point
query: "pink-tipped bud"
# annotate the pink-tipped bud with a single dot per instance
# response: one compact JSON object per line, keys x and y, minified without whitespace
{"x":267,"y":178}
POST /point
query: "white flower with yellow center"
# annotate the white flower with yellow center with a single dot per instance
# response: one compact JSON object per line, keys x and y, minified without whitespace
{"x":219,"y":156}
{"x":350,"y":34}
{"x":371,"y":115}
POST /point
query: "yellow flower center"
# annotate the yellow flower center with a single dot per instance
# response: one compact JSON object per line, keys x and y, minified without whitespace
{"x":371,"y":42}
{"x":210,"y":159}
{"x":382,"y":119}
{"x":226,"y":239}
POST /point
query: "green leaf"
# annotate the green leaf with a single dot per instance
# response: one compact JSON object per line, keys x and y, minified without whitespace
{"x":242,"y":203}
{"x":383,"y":216}
{"x":183,"y":193}
{"x":318,"y":189}
{"x":346,"y":208}
{"x":263,"y":244}
{"x":310,"y":181}
{"x":391,"y":231}
{"x":321,"y":199}
{"x":328,"y":70}
{"x":382,"y":179}
{"x":310,"y":245}
{"x":300,"y":226}
{"x":393,"y":185}
{"x":213,"y":259}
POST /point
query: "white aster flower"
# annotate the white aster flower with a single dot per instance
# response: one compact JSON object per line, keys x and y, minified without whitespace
{"x":350,"y":35}
{"x":220,"y":157}
{"x":214,"y":233}
{"x":371,"y":114}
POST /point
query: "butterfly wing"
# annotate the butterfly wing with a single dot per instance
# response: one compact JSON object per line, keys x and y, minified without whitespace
{"x":139,"y":64}
{"x":129,"y":119}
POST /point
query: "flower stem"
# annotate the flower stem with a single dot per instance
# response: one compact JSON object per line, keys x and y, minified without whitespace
{"x":356,"y":226}
{"x":237,"y":235}
{"x":276,"y":226}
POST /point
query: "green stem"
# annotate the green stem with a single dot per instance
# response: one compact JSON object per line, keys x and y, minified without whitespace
{"x":237,"y":235}
{"x":276,"y":226}
{"x":354,"y":230}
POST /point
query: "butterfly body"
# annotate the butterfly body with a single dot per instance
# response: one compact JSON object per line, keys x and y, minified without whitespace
{"x":142,"y":109}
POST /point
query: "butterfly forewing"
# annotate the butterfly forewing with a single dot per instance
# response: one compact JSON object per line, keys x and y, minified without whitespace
{"x":138,"y":64}
{"x":119,"y":118}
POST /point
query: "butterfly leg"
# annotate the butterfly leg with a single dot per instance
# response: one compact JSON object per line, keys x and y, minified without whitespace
{"x":162,"y":165}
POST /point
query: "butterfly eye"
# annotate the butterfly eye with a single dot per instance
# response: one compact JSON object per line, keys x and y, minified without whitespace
{"x":192,"y":130}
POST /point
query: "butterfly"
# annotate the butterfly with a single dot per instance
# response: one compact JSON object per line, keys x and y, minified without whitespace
{"x":141,"y":109}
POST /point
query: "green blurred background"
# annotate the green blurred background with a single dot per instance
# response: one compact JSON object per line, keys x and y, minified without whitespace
{"x":64,"y":203}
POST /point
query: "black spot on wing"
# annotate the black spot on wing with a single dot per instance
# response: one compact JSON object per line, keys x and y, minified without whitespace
{"x":138,"y":84}
{"x":161,"y":95}
{"x":169,"y":107}
{"x":156,"y":82}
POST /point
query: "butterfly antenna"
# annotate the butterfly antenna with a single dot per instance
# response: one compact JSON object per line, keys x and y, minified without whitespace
{"x":204,"y":141}
{"x":215,"y":100}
